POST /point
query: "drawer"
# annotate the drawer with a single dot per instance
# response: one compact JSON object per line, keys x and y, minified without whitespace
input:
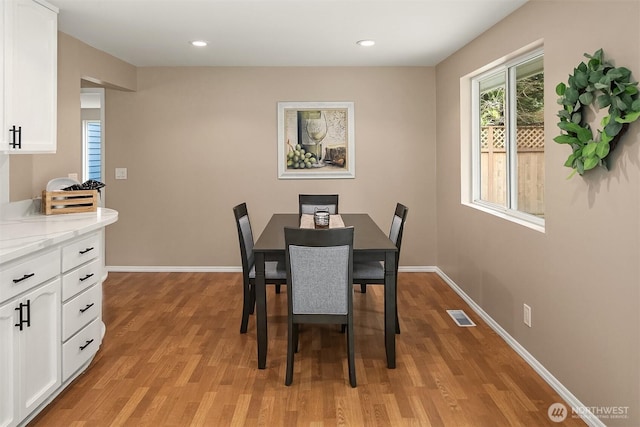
{"x":81,"y":348}
{"x":81,"y":278}
{"x":81,"y":251}
{"x":25,"y":273}
{"x":82,"y":309}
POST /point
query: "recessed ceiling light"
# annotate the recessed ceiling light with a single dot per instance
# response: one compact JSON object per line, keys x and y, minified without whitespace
{"x":198,"y":43}
{"x":366,"y":43}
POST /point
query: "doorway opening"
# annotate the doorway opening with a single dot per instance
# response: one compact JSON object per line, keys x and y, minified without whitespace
{"x":92,"y":126}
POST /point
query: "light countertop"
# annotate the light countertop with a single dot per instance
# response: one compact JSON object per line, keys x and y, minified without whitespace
{"x":25,"y":235}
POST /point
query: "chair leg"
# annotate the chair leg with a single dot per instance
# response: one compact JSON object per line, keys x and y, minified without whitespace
{"x":290,"y":350}
{"x":363,"y":288}
{"x":351,"y":353}
{"x":247,"y":308}
{"x":396,"y":296}
{"x":252,"y":298}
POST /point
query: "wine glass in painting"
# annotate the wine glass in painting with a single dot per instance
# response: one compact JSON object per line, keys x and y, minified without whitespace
{"x":316,"y":127}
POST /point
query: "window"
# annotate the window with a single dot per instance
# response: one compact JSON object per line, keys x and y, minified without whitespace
{"x":507,"y":159}
{"x":92,"y":143}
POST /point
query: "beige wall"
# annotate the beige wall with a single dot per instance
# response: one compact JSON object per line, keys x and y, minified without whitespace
{"x":197,"y":141}
{"x":581,"y":277}
{"x":76,"y":61}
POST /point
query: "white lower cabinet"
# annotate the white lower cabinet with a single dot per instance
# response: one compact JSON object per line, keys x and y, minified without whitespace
{"x":50,"y":323}
{"x":81,"y":278}
{"x":51,"y":274}
{"x":8,"y":366}
{"x":81,"y":302}
{"x":80,"y":310}
{"x":81,"y":348}
{"x":81,"y":329}
{"x":30,"y":357}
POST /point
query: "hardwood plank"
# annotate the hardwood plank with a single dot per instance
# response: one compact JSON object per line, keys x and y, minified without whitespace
{"x":172,"y":356}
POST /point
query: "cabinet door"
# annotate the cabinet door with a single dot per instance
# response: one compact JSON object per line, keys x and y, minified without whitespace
{"x":30,"y":76}
{"x":8,"y":367}
{"x":5,"y":133}
{"x":40,"y":347}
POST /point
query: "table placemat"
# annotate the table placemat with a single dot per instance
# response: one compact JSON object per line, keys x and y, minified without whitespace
{"x":335,"y":221}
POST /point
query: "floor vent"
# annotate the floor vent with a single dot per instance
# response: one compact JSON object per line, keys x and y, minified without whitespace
{"x":461,"y":318}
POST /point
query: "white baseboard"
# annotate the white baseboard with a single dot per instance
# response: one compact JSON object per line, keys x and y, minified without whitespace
{"x":229,"y":269}
{"x":171,"y":269}
{"x":586,"y":415}
{"x":418,"y":269}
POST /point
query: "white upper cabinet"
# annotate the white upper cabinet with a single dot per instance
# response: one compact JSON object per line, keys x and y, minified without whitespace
{"x":29,"y":55}
{"x":3,"y":20}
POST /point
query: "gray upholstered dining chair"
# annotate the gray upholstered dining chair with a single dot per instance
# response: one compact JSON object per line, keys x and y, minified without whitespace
{"x":373,"y":272}
{"x":308,"y":203}
{"x":319,"y":285}
{"x":275,"y":272}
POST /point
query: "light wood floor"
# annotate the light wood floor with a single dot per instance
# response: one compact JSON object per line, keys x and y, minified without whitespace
{"x":173,"y":356}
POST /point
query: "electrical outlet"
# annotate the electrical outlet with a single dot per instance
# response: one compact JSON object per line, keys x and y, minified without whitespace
{"x":527,"y":315}
{"x":73,"y":176}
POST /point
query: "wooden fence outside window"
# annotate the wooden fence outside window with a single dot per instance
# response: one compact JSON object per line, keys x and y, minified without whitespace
{"x":530,"y":156}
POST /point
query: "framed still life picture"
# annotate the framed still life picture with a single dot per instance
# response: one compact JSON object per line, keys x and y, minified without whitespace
{"x":316,"y":140}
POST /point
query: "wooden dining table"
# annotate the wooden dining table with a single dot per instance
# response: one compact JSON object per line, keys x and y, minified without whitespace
{"x":370,"y":243}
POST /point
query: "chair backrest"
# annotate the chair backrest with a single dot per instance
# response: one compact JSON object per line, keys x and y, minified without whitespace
{"x":319,"y":270}
{"x":307,"y":203}
{"x":245,"y":236}
{"x":397,"y":225}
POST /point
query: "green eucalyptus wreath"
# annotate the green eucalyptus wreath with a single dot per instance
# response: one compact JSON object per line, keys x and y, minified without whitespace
{"x":603,"y":85}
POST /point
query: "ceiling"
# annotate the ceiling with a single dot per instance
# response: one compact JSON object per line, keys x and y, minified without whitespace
{"x":280,"y":33}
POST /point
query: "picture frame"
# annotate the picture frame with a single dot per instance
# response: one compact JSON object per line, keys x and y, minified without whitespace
{"x":316,"y":140}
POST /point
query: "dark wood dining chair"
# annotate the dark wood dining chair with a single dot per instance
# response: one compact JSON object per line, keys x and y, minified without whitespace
{"x":319,"y":285}
{"x":308,"y":203}
{"x":373,"y":272}
{"x":275,"y":272}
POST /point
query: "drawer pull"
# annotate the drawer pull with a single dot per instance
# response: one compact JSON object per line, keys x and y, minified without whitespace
{"x":82,"y":279}
{"x":86,"y":250}
{"x":87,"y":307}
{"x":25,"y":277}
{"x":86,"y":344}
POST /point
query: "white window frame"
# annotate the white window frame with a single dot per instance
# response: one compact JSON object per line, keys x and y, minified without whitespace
{"x":471,"y":182}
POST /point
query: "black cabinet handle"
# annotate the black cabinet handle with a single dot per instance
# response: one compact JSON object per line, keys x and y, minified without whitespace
{"x":28,"y":313}
{"x":25,"y":277}
{"x":86,"y":344}
{"x":16,"y":139}
{"x":82,"y":279}
{"x":19,"y":310}
{"x":87,"y":307}
{"x":22,"y":320}
{"x":86,"y":250}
